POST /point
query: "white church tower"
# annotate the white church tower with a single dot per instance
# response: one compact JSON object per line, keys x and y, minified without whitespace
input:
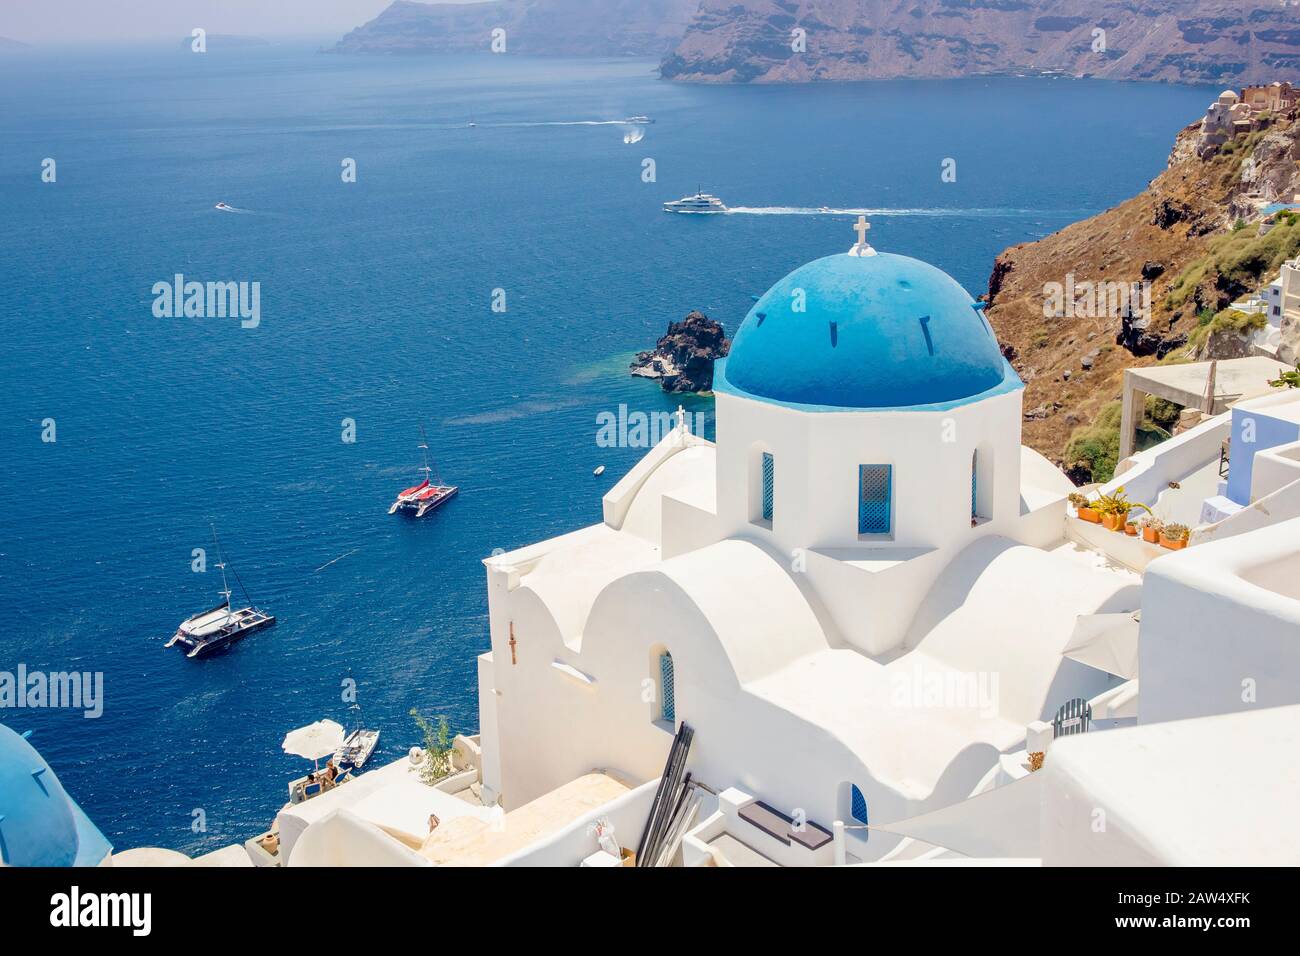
{"x":866,"y":414}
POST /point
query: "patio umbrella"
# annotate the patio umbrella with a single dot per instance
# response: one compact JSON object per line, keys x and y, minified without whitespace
{"x":1207,"y":400}
{"x":314,"y":741}
{"x":1108,"y":642}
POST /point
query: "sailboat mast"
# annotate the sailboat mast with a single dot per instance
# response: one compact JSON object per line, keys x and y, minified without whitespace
{"x":221,"y":563}
{"x":424,"y":452}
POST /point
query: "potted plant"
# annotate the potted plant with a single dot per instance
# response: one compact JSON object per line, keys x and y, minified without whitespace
{"x":1174,"y":536}
{"x":1131,"y":528}
{"x":1150,"y":526}
{"x":1083,"y":507}
{"x":1115,"y":507}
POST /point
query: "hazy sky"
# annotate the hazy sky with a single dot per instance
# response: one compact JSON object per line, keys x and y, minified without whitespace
{"x":80,"y":21}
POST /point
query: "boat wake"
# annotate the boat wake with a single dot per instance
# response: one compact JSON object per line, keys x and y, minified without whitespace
{"x":226,"y":207}
{"x":987,"y":213}
{"x":561,"y":123}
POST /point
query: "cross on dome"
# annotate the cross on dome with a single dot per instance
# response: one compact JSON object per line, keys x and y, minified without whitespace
{"x":860,"y":248}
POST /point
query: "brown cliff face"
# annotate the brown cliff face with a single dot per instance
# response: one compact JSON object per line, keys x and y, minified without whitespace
{"x":1218,"y":41}
{"x":532,"y":27}
{"x":1179,"y":236}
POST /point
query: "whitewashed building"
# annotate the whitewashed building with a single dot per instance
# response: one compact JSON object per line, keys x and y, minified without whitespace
{"x":857,"y":597}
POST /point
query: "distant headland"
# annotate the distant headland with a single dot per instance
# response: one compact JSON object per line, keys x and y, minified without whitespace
{"x":800,"y":41}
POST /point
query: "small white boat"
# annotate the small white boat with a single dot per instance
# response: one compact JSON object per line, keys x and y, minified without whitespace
{"x":701,"y":202}
{"x":224,"y":208}
{"x":638,"y":119}
{"x":356,"y":749}
{"x":600,"y":470}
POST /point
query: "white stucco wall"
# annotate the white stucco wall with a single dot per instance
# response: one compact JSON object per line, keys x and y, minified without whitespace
{"x":1218,"y":791}
{"x":817,"y":455}
{"x":1221,"y":626}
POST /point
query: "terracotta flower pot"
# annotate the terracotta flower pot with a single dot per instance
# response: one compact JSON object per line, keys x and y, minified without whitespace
{"x":1172,"y":544}
{"x":1150,"y":535}
{"x":1114,"y":522}
{"x":1130,"y":529}
{"x":1088,"y":514}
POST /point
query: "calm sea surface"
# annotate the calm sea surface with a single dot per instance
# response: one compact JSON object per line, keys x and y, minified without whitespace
{"x":376,"y":307}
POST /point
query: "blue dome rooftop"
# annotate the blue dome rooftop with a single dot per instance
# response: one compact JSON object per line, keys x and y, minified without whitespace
{"x":878,"y":331}
{"x":40,"y":825}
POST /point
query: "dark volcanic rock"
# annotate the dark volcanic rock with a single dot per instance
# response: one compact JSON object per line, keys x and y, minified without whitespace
{"x":1152,"y":270}
{"x":683,"y":358}
{"x":1001,"y":269}
{"x":1167,"y":213}
{"x":1136,"y":335}
{"x":1080,"y":473}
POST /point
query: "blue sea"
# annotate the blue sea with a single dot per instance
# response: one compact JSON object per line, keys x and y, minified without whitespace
{"x":376,"y":307}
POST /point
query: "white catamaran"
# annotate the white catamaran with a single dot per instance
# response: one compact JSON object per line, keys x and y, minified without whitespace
{"x":357,"y":747}
{"x":428,"y":494}
{"x":220,"y":626}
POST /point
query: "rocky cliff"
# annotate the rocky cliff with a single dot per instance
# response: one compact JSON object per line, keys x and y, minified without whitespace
{"x":682,"y":360}
{"x":533,"y":27}
{"x":1148,"y":280}
{"x":1219,"y":41}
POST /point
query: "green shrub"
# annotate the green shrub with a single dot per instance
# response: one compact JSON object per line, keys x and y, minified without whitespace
{"x":1161,"y":412}
{"x":1097,"y":443}
{"x":1229,"y":320}
{"x":1239,"y":260}
{"x":437,"y":747}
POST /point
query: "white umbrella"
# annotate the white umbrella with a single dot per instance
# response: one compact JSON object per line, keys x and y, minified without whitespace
{"x":1108,"y":642}
{"x":314,"y":741}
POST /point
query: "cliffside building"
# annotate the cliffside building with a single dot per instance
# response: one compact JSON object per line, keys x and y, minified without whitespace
{"x":1232,"y":114}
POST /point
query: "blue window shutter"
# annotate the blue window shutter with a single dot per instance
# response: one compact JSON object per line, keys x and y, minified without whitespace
{"x":857,"y":805}
{"x":875,"y":494}
{"x":668,"y":707}
{"x":769,"y":477}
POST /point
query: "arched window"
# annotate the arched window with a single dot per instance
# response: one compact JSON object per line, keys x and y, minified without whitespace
{"x":981,"y":485}
{"x":769,"y":482}
{"x":667,"y":705}
{"x":857,"y":805}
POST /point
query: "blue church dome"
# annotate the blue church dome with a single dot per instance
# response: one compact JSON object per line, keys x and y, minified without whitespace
{"x":40,"y":825}
{"x":877,"y":331}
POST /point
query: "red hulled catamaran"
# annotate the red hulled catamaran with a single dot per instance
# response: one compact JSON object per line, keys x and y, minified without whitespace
{"x":428,"y":494}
